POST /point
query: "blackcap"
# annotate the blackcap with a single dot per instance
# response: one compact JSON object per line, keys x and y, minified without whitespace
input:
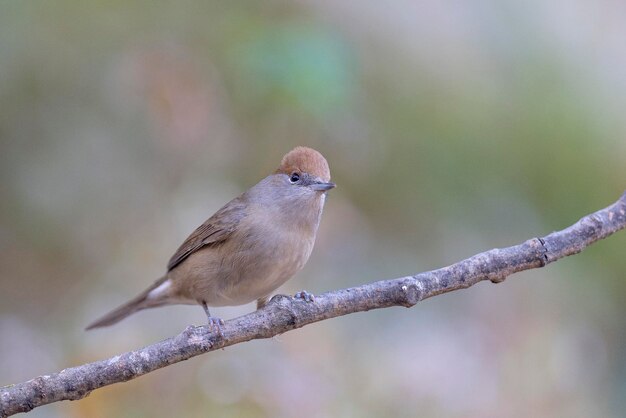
{"x":249,"y":247}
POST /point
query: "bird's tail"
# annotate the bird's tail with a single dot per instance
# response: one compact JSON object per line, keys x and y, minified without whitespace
{"x":142,"y":301}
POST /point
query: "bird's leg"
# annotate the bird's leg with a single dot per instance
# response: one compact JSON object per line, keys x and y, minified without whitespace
{"x":261,"y":302}
{"x":304,"y":295}
{"x":214,"y":322}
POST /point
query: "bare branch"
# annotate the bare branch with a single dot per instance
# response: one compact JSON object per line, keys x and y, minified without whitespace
{"x":283,"y":313}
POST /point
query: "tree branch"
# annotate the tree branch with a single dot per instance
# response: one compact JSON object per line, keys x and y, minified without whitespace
{"x":283,"y":313}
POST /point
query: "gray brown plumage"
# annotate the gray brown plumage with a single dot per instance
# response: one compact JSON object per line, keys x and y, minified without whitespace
{"x":249,"y":247}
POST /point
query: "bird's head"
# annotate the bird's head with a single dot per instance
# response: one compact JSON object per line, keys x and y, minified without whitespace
{"x":304,"y":167}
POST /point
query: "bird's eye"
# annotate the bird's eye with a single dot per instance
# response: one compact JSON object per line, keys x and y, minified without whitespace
{"x":294,"y":177}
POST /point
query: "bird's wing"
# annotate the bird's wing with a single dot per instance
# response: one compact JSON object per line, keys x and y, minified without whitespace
{"x":215,"y":230}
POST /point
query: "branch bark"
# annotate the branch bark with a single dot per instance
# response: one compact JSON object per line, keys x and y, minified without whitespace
{"x":283,"y":313}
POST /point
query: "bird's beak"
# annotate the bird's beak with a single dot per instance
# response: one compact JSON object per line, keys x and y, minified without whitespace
{"x":322,"y":187}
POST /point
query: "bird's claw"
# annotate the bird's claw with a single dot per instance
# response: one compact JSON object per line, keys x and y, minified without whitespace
{"x":215,"y":324}
{"x":304,"y":295}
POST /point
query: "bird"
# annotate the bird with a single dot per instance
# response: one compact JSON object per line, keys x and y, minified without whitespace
{"x":248,"y":248}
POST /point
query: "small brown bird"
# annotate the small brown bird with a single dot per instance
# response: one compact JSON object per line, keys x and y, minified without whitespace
{"x":248,"y":248}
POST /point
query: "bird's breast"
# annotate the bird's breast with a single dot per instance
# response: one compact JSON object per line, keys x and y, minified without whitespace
{"x":272,"y":256}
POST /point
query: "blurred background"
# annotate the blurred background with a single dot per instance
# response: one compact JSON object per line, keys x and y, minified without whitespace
{"x":451,"y":128}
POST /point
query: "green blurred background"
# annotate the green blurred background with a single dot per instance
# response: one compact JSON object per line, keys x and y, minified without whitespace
{"x":451,"y":128}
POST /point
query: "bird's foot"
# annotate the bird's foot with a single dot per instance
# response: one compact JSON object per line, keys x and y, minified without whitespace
{"x":304,"y":295}
{"x":215,"y":324}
